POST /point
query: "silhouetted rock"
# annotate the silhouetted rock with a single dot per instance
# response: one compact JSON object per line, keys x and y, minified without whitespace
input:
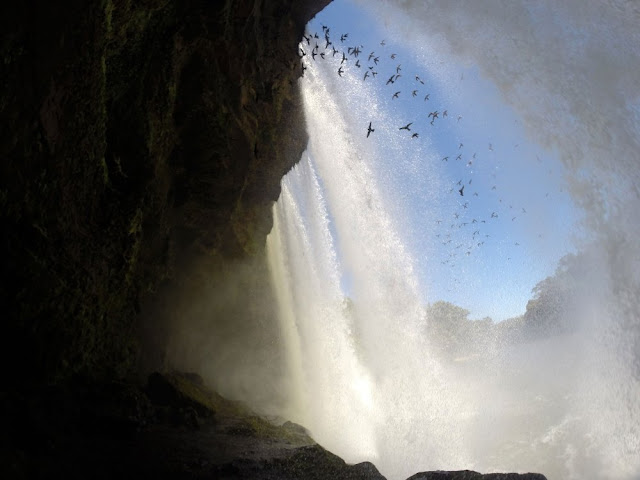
{"x":471,"y":475}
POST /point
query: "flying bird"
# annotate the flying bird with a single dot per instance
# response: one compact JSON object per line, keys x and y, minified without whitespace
{"x":369,"y":130}
{"x":406,"y":127}
{"x":415,"y":135}
{"x":461,"y":191}
{"x":395,"y":95}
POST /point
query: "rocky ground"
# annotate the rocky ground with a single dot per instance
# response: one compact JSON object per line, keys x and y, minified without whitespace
{"x":174,"y":427}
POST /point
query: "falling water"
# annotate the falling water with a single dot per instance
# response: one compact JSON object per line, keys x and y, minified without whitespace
{"x":364,"y":376}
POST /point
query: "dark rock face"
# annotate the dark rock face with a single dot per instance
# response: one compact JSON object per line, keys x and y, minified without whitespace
{"x":138,"y":137}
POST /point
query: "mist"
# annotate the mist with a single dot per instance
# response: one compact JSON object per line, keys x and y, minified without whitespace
{"x":222,"y":324}
{"x":369,"y":377}
{"x":571,"y":70}
{"x":336,"y":335}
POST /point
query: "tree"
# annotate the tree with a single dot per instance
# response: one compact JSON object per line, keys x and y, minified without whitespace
{"x":555,"y":299}
{"x":447,"y":327}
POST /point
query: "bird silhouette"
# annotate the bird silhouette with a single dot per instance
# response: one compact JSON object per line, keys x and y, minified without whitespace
{"x":369,"y":130}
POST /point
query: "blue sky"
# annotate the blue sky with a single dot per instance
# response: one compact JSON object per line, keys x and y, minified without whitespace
{"x":484,"y":250}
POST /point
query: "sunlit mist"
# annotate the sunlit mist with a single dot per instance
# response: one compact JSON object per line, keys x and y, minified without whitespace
{"x":464,"y":293}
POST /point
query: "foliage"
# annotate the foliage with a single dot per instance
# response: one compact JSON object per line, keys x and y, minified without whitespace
{"x":556,"y":299}
{"x":452,"y":333}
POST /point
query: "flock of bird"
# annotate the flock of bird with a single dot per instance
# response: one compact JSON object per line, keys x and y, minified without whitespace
{"x":321,"y":46}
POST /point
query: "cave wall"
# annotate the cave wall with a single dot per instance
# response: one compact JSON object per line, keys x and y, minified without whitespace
{"x":141,"y":151}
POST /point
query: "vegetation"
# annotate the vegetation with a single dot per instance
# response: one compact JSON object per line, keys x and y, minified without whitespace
{"x":554,"y":309}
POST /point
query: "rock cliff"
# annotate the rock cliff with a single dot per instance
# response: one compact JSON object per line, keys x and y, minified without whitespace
{"x":142,"y":137}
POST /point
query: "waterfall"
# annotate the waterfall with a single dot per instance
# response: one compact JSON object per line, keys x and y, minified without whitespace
{"x":365,"y":377}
